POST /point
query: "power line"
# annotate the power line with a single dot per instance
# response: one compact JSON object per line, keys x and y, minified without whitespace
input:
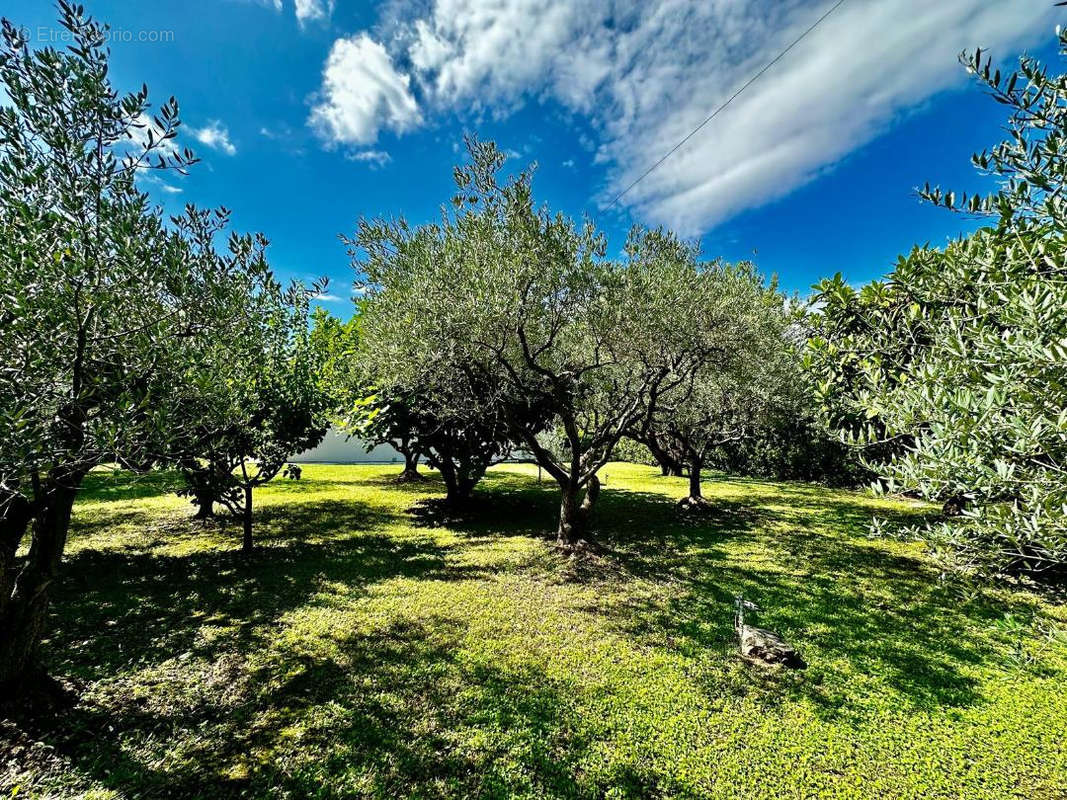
{"x":729,"y":100}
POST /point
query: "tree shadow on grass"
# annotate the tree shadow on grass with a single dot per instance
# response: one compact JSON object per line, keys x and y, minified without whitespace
{"x":385,"y":715}
{"x":858,"y":609}
{"x":503,"y":504}
{"x":862,"y":611}
{"x":182,"y":652}
{"x":431,"y":482}
{"x":115,"y":607}
{"x":200,"y":694}
{"x":637,"y":534}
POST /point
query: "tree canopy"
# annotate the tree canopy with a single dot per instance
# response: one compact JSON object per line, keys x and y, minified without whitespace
{"x":523,"y":301}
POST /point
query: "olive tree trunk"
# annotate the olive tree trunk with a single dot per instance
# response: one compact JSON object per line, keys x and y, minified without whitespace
{"x":247,"y":544}
{"x":668,"y":464}
{"x":411,"y":468}
{"x":460,"y":477}
{"x":696,"y":464}
{"x":575,"y":511}
{"x":204,"y":499}
{"x":459,"y":492}
{"x":26,"y":591}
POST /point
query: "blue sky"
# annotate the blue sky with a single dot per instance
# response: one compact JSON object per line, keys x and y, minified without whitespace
{"x":310,"y":113}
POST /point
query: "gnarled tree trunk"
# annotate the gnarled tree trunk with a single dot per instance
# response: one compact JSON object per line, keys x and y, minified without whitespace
{"x":668,"y":463}
{"x":26,"y":595}
{"x":460,"y":477}
{"x":204,"y":500}
{"x":16,"y":513}
{"x":574,"y":514}
{"x":411,"y":467}
{"x":694,"y":501}
{"x":459,"y":492}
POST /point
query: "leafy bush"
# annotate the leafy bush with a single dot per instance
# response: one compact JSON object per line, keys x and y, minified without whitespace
{"x":795,"y":449}
{"x":958,"y":361}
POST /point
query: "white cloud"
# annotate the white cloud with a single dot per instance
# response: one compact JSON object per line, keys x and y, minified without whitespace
{"x":327,"y":297}
{"x":362,"y":93}
{"x":216,"y":136}
{"x":149,"y":179}
{"x":275,"y":4}
{"x":376,"y":158}
{"x":647,"y":73}
{"x":569,"y":163}
{"x":313,"y":11}
{"x":279,"y":133}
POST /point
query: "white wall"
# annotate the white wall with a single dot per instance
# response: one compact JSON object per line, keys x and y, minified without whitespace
{"x":335,"y":448}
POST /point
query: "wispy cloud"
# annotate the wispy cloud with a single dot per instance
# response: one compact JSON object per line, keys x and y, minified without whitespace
{"x":216,"y":136}
{"x":376,"y":158}
{"x":313,"y":11}
{"x":328,"y":298}
{"x":646,"y":73}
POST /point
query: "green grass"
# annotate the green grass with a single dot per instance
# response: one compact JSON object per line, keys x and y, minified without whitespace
{"x":372,"y":650}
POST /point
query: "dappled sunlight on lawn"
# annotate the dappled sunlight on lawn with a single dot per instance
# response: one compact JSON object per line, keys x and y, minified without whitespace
{"x":368,"y":649}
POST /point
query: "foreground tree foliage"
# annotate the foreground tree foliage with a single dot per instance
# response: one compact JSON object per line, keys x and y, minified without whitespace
{"x":523,"y":303}
{"x":960,"y":357}
{"x":110,"y":318}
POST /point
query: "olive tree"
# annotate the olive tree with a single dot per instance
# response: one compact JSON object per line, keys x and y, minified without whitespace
{"x":109,"y":316}
{"x":962,"y":352}
{"x":441,"y":398}
{"x":272,"y":406}
{"x":525,"y":302}
{"x":463,"y":435}
{"x":358,"y":405}
{"x":752,"y":384}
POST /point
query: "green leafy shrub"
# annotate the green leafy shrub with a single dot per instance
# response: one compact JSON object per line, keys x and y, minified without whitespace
{"x":955,"y":367}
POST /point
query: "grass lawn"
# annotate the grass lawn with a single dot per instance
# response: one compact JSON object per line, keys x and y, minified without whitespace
{"x":370,"y":650}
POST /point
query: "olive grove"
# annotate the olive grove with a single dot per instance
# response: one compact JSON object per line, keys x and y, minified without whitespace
{"x":503,"y":297}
